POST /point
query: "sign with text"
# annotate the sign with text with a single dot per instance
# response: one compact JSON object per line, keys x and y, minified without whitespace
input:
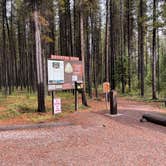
{"x":106,"y":87}
{"x":57,"y":106}
{"x":57,"y":67}
{"x":63,"y":71}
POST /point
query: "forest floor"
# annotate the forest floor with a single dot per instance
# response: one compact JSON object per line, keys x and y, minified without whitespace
{"x":20,"y":109}
{"x":90,"y":138}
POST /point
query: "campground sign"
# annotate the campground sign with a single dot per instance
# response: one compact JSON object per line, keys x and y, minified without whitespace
{"x":63,"y":71}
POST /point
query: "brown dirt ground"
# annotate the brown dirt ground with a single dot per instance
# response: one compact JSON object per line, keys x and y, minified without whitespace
{"x":126,"y":107}
{"x":93,"y":139}
{"x":135,"y":108}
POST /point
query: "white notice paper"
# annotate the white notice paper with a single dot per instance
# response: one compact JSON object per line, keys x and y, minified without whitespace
{"x":57,"y":106}
{"x":74,"y":78}
{"x":55,"y":72}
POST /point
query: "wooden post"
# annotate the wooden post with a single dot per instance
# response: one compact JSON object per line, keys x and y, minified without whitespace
{"x":76,"y":97}
{"x":52,"y":102}
{"x":113,"y":102}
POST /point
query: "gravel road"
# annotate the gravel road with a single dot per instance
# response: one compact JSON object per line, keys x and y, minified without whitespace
{"x":93,"y":140}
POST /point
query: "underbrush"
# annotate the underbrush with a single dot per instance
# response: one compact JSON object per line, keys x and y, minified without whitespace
{"x":22,"y":106}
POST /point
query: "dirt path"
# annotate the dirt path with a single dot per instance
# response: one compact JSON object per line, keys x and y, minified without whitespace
{"x":93,"y":139}
{"x":130,"y":110}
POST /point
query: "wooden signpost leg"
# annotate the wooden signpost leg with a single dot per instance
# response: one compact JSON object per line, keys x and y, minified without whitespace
{"x":52,"y":102}
{"x":76,"y":97}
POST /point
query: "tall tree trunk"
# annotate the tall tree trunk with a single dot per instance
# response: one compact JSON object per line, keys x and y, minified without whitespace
{"x":52,"y":30}
{"x":84,"y":101}
{"x":122,"y":46}
{"x":5,"y":60}
{"x":154,"y":59}
{"x":77,"y":35}
{"x":66,"y":42}
{"x":129,"y":42}
{"x":112,"y":45}
{"x":107,"y":42}
{"x":88,"y":59}
{"x":39,"y":63}
{"x":141,"y":45}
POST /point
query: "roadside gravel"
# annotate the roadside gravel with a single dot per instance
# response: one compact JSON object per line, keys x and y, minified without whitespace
{"x":93,"y":140}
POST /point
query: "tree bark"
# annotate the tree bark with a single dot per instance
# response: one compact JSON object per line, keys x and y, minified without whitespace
{"x":141,"y":46}
{"x":107,"y":42}
{"x":122,"y":46}
{"x":39,"y":64}
{"x":154,"y":59}
{"x":84,"y":101}
{"x":112,"y":46}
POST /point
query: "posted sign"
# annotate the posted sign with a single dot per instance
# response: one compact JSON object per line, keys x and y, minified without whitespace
{"x":57,"y":106}
{"x":106,"y":87}
{"x":63,"y":71}
{"x":57,"y":67}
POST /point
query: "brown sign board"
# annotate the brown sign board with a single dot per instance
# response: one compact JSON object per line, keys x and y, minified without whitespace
{"x":63,"y":71}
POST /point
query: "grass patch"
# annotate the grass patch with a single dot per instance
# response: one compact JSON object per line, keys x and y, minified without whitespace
{"x":9,"y":114}
{"x":23,"y":106}
{"x":25,"y":109}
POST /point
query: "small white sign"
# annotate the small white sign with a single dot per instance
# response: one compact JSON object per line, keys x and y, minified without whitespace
{"x":51,"y":87}
{"x":74,"y":78}
{"x":58,"y":87}
{"x":57,"y":106}
{"x":54,"y":87}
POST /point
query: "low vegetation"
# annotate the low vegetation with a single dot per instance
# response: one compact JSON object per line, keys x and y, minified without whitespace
{"x":21,"y":107}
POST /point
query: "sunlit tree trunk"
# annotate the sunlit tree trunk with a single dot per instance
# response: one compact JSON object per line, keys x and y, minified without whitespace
{"x":39,"y":63}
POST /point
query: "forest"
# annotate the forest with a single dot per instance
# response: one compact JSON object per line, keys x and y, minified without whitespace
{"x":120,"y":41}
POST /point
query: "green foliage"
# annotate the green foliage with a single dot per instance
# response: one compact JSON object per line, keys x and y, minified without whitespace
{"x":9,"y":114}
{"x":164,"y":11}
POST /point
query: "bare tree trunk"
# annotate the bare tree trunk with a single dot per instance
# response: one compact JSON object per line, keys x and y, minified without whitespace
{"x":4,"y":48}
{"x":39,"y":64}
{"x":88,"y":59}
{"x":141,"y":46}
{"x":112,"y":45}
{"x":129,"y":42}
{"x":107,"y":42}
{"x":122,"y":46}
{"x":154,"y":60}
{"x":77,"y":38}
{"x":84,"y":101}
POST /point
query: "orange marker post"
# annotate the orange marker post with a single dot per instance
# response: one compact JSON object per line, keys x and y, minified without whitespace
{"x":106,"y":87}
{"x":106,"y":90}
